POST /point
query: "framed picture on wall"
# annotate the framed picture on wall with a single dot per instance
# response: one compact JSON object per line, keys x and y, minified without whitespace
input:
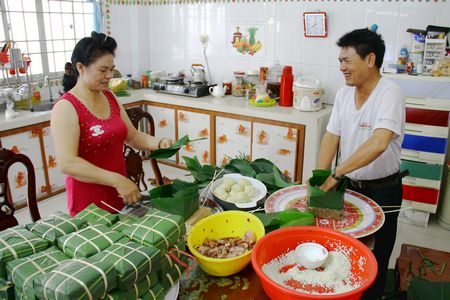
{"x":247,"y":40}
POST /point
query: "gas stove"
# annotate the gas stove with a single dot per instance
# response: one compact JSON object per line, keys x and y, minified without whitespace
{"x":177,"y":86}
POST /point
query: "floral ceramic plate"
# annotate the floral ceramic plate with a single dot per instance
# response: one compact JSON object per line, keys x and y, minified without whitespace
{"x":172,"y":294}
{"x":362,"y":216}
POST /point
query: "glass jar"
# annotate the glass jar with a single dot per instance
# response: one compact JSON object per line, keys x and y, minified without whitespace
{"x":251,"y":82}
{"x":227,"y":86}
{"x":274,"y":79}
{"x":238,"y":84}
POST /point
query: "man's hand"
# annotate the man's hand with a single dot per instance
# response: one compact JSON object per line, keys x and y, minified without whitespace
{"x":329,"y":184}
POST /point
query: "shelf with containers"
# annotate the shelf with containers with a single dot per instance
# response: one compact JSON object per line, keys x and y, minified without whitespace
{"x":425,"y":146}
{"x":434,"y":50}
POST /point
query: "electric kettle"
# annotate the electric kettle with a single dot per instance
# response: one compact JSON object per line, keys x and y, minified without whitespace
{"x":198,"y":72}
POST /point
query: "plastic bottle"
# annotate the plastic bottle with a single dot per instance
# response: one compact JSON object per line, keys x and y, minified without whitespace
{"x":129,"y":80}
{"x":287,"y":80}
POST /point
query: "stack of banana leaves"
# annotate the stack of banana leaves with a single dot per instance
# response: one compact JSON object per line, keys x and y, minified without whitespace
{"x":263,"y":170}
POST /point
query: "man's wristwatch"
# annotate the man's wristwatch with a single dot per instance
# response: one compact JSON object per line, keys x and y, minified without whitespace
{"x":334,"y":176}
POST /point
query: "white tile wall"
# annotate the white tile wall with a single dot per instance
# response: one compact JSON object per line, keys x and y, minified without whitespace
{"x":166,"y":37}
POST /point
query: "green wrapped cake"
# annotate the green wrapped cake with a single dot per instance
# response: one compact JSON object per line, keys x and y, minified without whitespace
{"x":326,"y":205}
{"x":88,"y":241}
{"x":94,"y":215}
{"x":76,"y":279}
{"x":17,"y":242}
{"x":157,"y":228}
{"x":22,"y":271}
{"x":55,"y":226}
{"x":131,"y":261}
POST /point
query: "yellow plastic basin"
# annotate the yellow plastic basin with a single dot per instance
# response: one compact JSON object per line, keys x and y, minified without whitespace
{"x":231,"y":223}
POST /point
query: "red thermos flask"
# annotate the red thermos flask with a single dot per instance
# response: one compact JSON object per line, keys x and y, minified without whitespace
{"x":287,"y":79}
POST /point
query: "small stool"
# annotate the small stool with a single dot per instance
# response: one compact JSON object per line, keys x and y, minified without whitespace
{"x":429,"y":264}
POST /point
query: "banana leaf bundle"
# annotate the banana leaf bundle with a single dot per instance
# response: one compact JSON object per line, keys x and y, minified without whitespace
{"x":155,"y":293}
{"x":94,"y":215}
{"x":170,"y":278}
{"x":76,"y":279}
{"x":157,"y":228}
{"x":167,"y":262}
{"x":17,"y":242}
{"x":22,"y":271}
{"x":136,"y":291}
{"x":88,"y":241}
{"x":330,"y":204}
{"x":6,"y":290}
{"x":131,"y":261}
{"x":124,"y":222}
{"x":179,"y":198}
{"x":55,"y":226}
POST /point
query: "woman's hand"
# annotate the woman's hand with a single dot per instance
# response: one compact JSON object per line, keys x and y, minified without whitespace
{"x":127,"y":190}
{"x":164,"y":143}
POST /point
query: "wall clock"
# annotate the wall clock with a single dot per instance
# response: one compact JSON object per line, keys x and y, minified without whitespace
{"x":315,"y":24}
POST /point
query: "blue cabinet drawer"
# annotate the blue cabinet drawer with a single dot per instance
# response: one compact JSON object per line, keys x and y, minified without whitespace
{"x":424,"y":143}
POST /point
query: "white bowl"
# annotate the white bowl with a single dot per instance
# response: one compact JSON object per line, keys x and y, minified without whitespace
{"x":311,"y":255}
{"x":260,"y":193}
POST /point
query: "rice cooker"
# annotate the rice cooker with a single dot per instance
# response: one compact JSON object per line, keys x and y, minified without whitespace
{"x":308,"y":94}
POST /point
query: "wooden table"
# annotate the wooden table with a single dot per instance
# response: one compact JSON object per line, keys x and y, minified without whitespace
{"x":244,"y":285}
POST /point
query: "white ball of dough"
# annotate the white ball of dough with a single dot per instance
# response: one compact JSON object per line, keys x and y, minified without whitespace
{"x":236,"y":188}
{"x":250,"y":190}
{"x":244,"y":181}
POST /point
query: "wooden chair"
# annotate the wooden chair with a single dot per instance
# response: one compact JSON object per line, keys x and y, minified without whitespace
{"x":7,"y":209}
{"x":133,"y":158}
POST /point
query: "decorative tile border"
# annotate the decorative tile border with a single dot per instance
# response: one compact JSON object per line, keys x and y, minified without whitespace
{"x":170,"y":2}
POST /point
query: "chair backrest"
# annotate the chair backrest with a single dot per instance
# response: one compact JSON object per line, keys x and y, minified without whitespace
{"x":133,"y":159}
{"x":7,"y":209}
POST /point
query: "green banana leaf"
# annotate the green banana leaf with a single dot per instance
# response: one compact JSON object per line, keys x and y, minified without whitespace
{"x":172,"y":150}
{"x":202,"y":174}
{"x":179,"y":198}
{"x":290,"y":217}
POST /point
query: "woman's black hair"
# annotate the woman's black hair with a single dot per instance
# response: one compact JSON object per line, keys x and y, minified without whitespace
{"x":89,"y":49}
{"x":365,"y":42}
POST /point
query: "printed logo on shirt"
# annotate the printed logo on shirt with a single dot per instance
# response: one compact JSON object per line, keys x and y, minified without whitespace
{"x":96,"y":130}
{"x":364,"y":126}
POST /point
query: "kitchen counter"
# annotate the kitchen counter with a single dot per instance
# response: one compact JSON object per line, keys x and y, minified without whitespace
{"x":315,"y":122}
{"x":228,"y":104}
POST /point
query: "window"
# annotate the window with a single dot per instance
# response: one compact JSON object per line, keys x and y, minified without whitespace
{"x":45,"y":30}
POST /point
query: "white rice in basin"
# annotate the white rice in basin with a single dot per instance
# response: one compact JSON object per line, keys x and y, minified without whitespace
{"x":334,"y":277}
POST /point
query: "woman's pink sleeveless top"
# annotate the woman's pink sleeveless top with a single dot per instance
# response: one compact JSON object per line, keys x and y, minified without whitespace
{"x":101,"y":143}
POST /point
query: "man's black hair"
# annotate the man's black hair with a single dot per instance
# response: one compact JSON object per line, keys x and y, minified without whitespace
{"x":89,"y":49}
{"x":364,"y":42}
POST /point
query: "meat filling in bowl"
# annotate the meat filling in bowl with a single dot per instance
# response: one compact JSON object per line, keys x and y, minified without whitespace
{"x":227,"y":247}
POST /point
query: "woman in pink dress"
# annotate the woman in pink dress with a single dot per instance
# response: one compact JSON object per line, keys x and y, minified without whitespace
{"x":89,"y":128}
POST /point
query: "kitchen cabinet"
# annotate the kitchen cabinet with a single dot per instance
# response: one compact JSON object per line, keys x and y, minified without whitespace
{"x":230,"y":135}
{"x":233,"y":139}
{"x":56,"y":177}
{"x":425,"y":146}
{"x":195,"y":125}
{"x":277,"y":143}
{"x":27,"y":142}
{"x":164,"y":119}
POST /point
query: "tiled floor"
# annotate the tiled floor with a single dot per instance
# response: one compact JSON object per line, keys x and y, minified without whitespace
{"x":433,"y":236}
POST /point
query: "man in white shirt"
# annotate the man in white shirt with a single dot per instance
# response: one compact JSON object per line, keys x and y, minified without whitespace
{"x":367,"y":123}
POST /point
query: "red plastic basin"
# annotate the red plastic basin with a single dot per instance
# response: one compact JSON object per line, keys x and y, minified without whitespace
{"x":281,"y":241}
